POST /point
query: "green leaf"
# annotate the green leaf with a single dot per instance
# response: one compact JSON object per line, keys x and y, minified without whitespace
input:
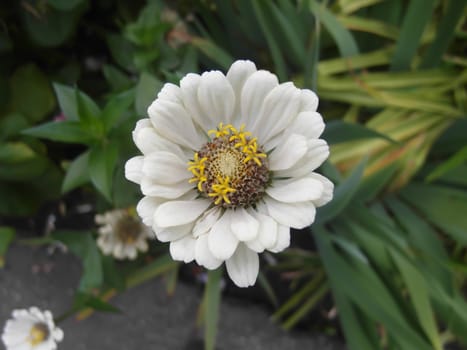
{"x":372,"y":185}
{"x":31,"y":94}
{"x":418,"y":290}
{"x":66,"y":97}
{"x":213,"y":51}
{"x":102,"y":162}
{"x":122,"y":51}
{"x":155,"y":268}
{"x":116,"y":78}
{"x":77,"y":173}
{"x":344,"y":40}
{"x":417,"y":16}
{"x":366,"y":290}
{"x":425,"y":244}
{"x":88,"y":111}
{"x":146,"y":91}
{"x":261,"y":9}
{"x":63,"y":131}
{"x":456,"y":160}
{"x":445,"y":34}
{"x":338,"y":131}
{"x":24,"y":170}
{"x":212,"y":300}
{"x":113,"y":276}
{"x":15,"y":152}
{"x":84,"y":300}
{"x":11,"y":125}
{"x":84,"y":246}
{"x":116,"y":107}
{"x":343,"y":194}
{"x":52,"y":27}
{"x":7,"y":234}
{"x":443,"y":206}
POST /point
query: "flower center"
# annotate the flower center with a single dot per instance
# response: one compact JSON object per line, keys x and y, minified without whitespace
{"x":128,"y":229}
{"x":231,"y":168}
{"x":38,"y":333}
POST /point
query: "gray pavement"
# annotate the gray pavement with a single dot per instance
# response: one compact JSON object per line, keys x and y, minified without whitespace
{"x":150,"y":318}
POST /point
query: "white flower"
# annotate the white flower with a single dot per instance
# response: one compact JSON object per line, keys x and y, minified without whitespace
{"x":31,"y":330}
{"x":227,"y":167}
{"x":122,"y":234}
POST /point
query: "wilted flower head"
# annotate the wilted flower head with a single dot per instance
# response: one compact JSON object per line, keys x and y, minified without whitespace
{"x":122,"y":234}
{"x":31,"y":330}
{"x":228,"y":167}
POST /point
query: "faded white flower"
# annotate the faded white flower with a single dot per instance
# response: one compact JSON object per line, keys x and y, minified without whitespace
{"x":228,"y":167}
{"x":122,"y":234}
{"x":31,"y":329}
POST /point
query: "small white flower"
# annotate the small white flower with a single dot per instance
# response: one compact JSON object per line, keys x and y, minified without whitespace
{"x":228,"y":167}
{"x":31,"y":330}
{"x":122,"y":234}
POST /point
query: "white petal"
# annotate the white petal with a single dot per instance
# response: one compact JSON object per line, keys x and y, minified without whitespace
{"x":183,"y":249}
{"x":216,"y":97}
{"x":222,"y":242}
{"x":165,"y":168}
{"x":169,"y":234}
{"x":176,"y":213}
{"x":148,"y":140}
{"x":203,"y":254}
{"x":146,"y":208}
{"x":296,"y":215}
{"x":189,"y":86}
{"x":267,"y":234}
{"x":296,"y":190}
{"x":283,"y":239}
{"x":173,"y":122}
{"x":237,"y":75}
{"x":172,"y":191}
{"x":287,"y":153}
{"x":206,"y":221}
{"x":133,"y":169}
{"x":328,"y":190}
{"x":57,"y":334}
{"x":243,"y":266}
{"x":255,"y":90}
{"x":309,"y":100}
{"x":170,"y":92}
{"x":243,"y":225}
{"x":318,"y":152}
{"x":309,"y":124}
{"x":279,"y":109}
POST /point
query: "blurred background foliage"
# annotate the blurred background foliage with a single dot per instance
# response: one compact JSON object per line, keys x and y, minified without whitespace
{"x":384,"y":266}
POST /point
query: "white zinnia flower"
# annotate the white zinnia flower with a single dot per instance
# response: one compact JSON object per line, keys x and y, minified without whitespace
{"x":228,"y":167}
{"x":31,"y":330}
{"x":122,"y":234}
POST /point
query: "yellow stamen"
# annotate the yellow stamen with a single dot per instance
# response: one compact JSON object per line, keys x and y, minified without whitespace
{"x":38,"y":333}
{"x":197,"y":168}
{"x":222,"y":130}
{"x":221,"y":190}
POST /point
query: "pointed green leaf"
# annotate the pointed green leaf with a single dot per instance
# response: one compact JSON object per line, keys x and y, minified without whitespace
{"x":418,"y":290}
{"x":116,"y":107}
{"x":417,"y":16}
{"x":102,"y":162}
{"x":63,"y":131}
{"x":344,"y":40}
{"x":338,"y":131}
{"x":343,"y":195}
{"x":77,"y":173}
